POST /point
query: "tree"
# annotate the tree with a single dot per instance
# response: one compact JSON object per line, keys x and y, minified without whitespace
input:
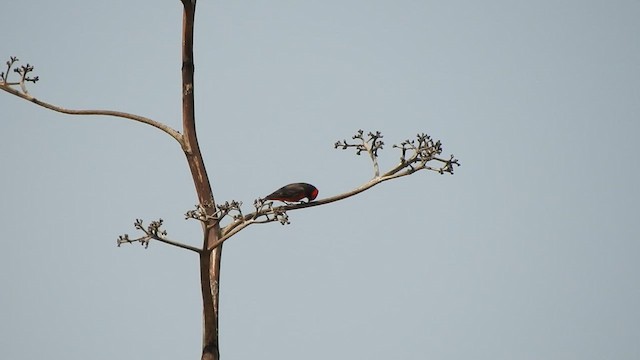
{"x":415,"y":155}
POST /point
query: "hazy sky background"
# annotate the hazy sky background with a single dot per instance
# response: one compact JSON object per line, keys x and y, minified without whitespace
{"x":530,"y":251}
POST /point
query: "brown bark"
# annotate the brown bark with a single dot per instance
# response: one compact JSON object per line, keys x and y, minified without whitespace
{"x":209,"y":259}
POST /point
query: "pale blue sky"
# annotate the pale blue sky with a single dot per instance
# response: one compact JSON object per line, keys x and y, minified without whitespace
{"x":530,"y":251}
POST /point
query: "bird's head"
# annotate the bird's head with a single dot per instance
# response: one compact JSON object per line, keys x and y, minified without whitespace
{"x":312,"y":193}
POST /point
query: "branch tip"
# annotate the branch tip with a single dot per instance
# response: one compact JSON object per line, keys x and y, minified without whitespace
{"x":23,"y":71}
{"x":152,"y":231}
{"x":19,"y":89}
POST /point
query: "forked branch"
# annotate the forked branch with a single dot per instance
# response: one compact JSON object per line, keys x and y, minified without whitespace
{"x":152,"y":232}
{"x":22,"y":92}
{"x":371,"y":145}
{"x":201,"y":212}
{"x":416,"y":155}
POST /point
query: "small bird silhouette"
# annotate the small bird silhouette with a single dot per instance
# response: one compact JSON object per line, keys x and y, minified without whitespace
{"x":294,"y":192}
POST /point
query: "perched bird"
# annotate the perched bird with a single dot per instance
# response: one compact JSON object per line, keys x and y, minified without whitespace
{"x":294,"y":192}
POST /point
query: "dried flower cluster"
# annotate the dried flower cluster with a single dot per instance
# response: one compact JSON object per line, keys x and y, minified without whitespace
{"x":152,"y":231}
{"x":23,"y":71}
{"x":423,"y":150}
{"x":371,"y":145}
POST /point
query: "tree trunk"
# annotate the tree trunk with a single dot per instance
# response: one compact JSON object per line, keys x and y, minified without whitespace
{"x":209,"y":259}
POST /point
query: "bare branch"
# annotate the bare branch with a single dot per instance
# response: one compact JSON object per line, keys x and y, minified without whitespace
{"x":371,"y":145}
{"x":154,"y":232}
{"x":264,"y":213}
{"x":200,"y":212}
{"x":416,"y":155}
{"x":23,"y":71}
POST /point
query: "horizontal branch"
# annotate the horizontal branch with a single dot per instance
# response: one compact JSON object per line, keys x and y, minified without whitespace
{"x":144,"y":241}
{"x":153,"y":231}
{"x":158,"y":125}
{"x":254,"y":217}
{"x":422,"y":151}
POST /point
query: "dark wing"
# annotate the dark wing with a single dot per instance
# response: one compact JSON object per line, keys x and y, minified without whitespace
{"x":291,"y":192}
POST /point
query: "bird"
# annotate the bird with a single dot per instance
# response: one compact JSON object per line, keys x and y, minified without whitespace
{"x":294,"y":192}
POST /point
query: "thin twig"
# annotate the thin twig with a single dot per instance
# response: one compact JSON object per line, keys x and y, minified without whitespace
{"x":153,"y":232}
{"x":178,"y":244}
{"x":158,"y":125}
